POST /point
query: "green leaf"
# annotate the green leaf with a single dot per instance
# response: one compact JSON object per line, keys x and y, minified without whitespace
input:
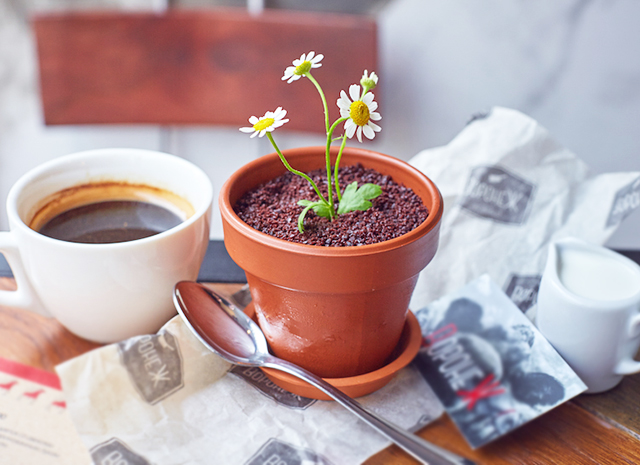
{"x":301,"y":217}
{"x":358,"y":199}
{"x":320,"y":208}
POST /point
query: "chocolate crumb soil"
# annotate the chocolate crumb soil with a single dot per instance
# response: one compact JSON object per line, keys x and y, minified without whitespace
{"x":272,"y":208}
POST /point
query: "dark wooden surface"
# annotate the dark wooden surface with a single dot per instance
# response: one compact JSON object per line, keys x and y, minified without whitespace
{"x":213,"y":67}
{"x":592,"y":429}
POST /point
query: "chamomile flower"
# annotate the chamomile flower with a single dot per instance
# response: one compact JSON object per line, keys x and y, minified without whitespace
{"x":270,"y":121}
{"x":369,"y":81}
{"x":302,"y":65}
{"x":361,"y":113}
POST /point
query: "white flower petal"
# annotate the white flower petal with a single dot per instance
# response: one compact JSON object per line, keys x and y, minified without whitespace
{"x":375,"y":116}
{"x":354,"y":92}
{"x":253,"y":120}
{"x":344,"y":113}
{"x":262,"y":133}
{"x":359,"y":133}
{"x":310,"y":55}
{"x":373,"y":106}
{"x":247,"y":130}
{"x":343,"y":102}
{"x":350,"y":128}
{"x":374,"y":126}
{"x":315,"y":63}
{"x":368,"y":98}
{"x":254,"y":134}
{"x":288,"y":72}
{"x":368,"y":132}
{"x":279,"y":123}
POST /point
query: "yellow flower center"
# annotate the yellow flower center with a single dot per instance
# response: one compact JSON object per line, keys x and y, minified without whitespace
{"x":302,"y":68}
{"x":359,"y":112}
{"x":263,"y":124}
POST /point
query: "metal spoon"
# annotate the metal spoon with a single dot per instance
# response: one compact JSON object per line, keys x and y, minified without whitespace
{"x":227,"y":331}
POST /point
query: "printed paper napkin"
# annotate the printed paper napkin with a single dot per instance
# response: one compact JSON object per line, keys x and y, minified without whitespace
{"x":165,"y":399}
{"x":509,"y":190}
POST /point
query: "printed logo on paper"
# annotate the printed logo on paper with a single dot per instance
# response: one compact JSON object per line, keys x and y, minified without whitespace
{"x":523,"y":290}
{"x":256,"y":378}
{"x":494,"y":193}
{"x":154,"y":364}
{"x":276,"y":452}
{"x":115,"y":452}
{"x":626,"y":200}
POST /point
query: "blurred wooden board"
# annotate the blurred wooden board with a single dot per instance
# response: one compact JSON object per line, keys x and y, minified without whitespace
{"x":211,"y":67}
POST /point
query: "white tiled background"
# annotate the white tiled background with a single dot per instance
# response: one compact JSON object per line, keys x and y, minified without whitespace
{"x":574,"y":65}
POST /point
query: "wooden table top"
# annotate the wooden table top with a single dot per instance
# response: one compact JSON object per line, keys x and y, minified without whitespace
{"x":590,"y":429}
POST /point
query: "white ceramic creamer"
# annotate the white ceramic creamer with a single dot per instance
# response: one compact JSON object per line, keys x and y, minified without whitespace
{"x":589,"y":309}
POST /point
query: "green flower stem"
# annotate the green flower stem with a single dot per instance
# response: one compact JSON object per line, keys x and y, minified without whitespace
{"x":335,"y":125}
{"x":328,"y":158}
{"x":328,"y":161}
{"x":326,"y":125}
{"x":295,"y":171}
{"x":324,"y":100}
{"x":335,"y":175}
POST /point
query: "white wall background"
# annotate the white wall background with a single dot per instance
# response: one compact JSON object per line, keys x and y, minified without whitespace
{"x":571,"y":64}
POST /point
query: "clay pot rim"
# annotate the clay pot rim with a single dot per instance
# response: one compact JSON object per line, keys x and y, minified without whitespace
{"x":435,"y":209}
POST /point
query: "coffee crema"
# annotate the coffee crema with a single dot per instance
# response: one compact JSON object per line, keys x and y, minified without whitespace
{"x":109,"y":212}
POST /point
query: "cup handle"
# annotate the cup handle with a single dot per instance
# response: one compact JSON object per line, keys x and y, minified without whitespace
{"x":629,"y":366}
{"x":24,"y":297}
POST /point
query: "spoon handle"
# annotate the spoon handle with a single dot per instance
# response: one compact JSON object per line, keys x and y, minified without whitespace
{"x":422,"y":450}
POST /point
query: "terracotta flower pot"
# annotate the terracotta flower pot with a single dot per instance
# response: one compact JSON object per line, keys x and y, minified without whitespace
{"x":337,"y":311}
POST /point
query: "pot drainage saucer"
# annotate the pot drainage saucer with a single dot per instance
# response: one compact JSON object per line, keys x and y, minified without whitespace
{"x":360,"y":385}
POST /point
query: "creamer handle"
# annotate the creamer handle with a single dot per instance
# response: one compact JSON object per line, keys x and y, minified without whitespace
{"x":629,"y":366}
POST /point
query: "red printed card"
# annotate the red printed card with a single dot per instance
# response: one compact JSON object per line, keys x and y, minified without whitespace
{"x":35,"y":427}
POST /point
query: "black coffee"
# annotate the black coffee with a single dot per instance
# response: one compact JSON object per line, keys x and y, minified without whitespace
{"x":110,"y":221}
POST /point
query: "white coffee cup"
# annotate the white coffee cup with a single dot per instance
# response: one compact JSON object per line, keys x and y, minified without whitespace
{"x":589,"y":309}
{"x":105,"y":292}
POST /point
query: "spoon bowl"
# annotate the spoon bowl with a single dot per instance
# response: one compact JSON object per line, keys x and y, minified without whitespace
{"x":219,"y":324}
{"x":226,"y":330}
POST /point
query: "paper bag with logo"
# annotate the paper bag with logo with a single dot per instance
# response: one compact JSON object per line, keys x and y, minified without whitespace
{"x":509,"y":189}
